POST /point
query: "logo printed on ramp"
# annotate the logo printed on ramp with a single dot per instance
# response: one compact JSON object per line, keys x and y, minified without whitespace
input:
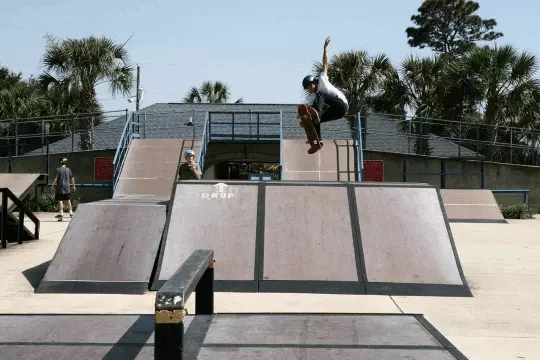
{"x":221,"y":192}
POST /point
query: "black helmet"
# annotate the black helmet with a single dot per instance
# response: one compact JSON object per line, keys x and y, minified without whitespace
{"x":308,"y":80}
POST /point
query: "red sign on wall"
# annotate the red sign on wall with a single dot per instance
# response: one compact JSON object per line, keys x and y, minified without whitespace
{"x":103,"y":168}
{"x":374,"y":170}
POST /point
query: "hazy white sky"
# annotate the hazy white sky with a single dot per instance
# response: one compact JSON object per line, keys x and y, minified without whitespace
{"x":261,"y":49}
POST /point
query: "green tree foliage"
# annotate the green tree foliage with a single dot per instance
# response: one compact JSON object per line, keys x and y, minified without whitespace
{"x":210,"y":92}
{"x":450,"y":26}
{"x":73,"y":68}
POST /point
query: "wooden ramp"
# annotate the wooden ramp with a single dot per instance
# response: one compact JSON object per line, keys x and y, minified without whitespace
{"x":315,"y":237}
{"x":150,"y":169}
{"x":471,"y":205}
{"x":108,"y":247}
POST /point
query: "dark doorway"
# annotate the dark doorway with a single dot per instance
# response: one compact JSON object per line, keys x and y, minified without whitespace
{"x":232,"y":170}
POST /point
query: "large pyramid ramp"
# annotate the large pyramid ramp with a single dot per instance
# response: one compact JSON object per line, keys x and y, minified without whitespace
{"x":108,"y":247}
{"x":218,"y":216}
{"x":315,"y":237}
{"x":471,"y":206}
{"x":336,"y":161}
{"x":150,"y":169}
{"x":406,"y":242}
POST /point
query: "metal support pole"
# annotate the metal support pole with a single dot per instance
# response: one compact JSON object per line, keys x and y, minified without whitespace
{"x":137,"y":90}
{"x":169,"y":335}
{"x":72,"y":134}
{"x":4,"y":219}
{"x":193,"y":117}
{"x":204,"y":293}
{"x":443,"y":174}
{"x":48,"y":162}
{"x":482,"y":178}
{"x":360,"y":151}
{"x":16,"y":137}
{"x":42,"y":135}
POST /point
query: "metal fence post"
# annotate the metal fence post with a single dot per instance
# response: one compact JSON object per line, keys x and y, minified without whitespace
{"x":16,"y":137}
{"x":42,"y":135}
{"x":72,"y":134}
{"x":360,"y":151}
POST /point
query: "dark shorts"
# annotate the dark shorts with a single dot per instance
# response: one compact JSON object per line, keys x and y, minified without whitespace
{"x":62,"y":197}
{"x":330,"y":108}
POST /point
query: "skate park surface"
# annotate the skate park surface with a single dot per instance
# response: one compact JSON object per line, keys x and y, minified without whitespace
{"x":500,"y":262}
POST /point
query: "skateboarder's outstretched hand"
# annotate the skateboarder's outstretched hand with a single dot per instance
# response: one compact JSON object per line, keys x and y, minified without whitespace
{"x":327,"y":41}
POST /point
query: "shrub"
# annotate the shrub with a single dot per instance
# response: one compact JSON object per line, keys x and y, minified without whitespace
{"x":518,"y":211}
{"x":45,"y":203}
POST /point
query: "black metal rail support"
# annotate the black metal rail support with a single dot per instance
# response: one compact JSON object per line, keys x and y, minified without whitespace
{"x":3,"y":238}
{"x":195,"y":274}
{"x":8,"y":195}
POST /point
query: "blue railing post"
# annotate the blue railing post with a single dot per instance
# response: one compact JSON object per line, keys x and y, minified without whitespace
{"x":281,"y":145}
{"x":360,"y":157}
{"x":122,"y":149}
{"x":204,"y":141}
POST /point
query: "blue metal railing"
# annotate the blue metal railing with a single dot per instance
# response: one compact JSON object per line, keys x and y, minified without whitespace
{"x":280,"y":145}
{"x":204,"y":141}
{"x":359,"y":144}
{"x":240,"y":125}
{"x":123,"y":146}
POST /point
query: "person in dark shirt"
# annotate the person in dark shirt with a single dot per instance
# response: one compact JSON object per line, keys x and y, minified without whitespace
{"x":62,"y":186}
{"x":190,"y":170}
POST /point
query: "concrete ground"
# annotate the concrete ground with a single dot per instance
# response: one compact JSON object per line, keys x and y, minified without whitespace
{"x":501,"y":263}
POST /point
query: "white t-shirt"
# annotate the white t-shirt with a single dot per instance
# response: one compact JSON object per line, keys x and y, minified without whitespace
{"x":326,"y":89}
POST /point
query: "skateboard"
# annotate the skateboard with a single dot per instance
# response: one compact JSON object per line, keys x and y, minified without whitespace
{"x":60,"y":218}
{"x":308,"y":116}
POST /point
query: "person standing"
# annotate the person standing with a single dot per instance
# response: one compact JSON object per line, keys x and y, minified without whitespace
{"x":190,"y":170}
{"x":62,"y":186}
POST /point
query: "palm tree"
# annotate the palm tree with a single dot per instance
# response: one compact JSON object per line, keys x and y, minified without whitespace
{"x":75,"y":67}
{"x":422,"y":89}
{"x":360,"y":77}
{"x":210,"y":92}
{"x":509,"y":93}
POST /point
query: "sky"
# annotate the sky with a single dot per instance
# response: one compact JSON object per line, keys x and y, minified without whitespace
{"x":261,"y":49}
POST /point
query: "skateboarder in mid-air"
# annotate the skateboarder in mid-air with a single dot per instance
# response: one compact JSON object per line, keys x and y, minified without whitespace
{"x":325,"y":102}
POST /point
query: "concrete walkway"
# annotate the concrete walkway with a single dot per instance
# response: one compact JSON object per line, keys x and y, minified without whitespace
{"x":501,"y":263}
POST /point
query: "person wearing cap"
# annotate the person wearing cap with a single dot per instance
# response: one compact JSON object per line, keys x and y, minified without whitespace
{"x":65,"y":180}
{"x":328,"y":102}
{"x":190,"y":170}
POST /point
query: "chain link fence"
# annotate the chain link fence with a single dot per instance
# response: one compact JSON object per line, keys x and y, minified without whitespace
{"x":451,"y":139}
{"x":381,"y":132}
{"x":64,"y":133}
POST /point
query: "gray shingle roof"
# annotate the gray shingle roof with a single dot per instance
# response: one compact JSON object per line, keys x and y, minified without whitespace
{"x":169,"y":121}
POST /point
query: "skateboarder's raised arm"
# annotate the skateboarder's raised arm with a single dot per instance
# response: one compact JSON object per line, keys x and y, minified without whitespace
{"x":325,"y":56}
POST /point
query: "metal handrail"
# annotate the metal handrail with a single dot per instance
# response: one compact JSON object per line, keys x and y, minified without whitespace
{"x":360,"y":157}
{"x":204,"y":142}
{"x":281,"y":144}
{"x":122,"y":149}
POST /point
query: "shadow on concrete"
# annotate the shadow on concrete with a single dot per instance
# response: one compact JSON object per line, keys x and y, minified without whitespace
{"x":134,"y":339}
{"x":36,"y":274}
